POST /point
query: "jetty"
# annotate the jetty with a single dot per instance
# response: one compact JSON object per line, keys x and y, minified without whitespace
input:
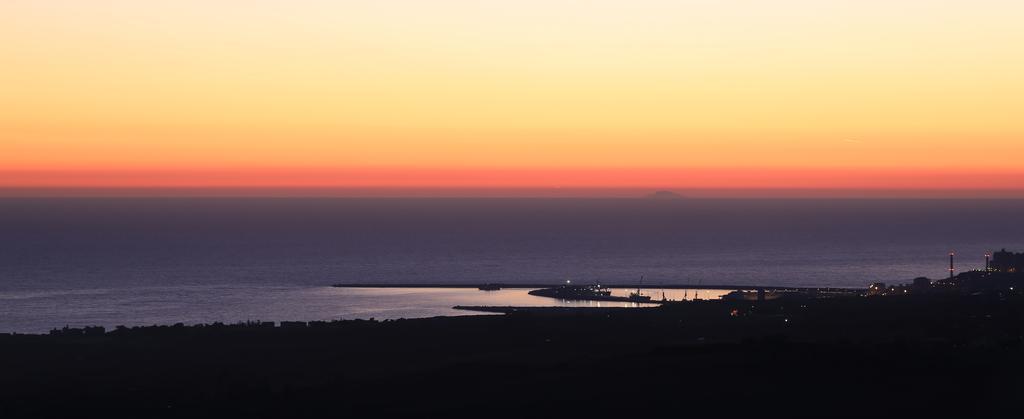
{"x":677,"y":286}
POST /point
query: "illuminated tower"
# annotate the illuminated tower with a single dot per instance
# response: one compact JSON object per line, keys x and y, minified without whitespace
{"x":988,"y":259}
{"x":951,"y":264}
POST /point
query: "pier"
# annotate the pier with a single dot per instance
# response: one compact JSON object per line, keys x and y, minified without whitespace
{"x":728,"y":287}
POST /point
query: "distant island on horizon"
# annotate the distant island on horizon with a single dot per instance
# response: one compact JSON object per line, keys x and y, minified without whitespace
{"x":663,"y":194}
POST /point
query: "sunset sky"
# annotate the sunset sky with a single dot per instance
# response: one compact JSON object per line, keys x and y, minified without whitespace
{"x":529,"y":95}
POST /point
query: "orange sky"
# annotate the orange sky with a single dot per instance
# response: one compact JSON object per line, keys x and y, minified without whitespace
{"x":599,"y":97}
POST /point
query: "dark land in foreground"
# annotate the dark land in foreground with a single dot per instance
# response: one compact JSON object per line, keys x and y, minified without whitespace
{"x":940,"y":355}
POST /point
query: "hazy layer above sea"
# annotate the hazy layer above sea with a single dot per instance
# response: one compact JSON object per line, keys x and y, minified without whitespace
{"x":102,"y":243}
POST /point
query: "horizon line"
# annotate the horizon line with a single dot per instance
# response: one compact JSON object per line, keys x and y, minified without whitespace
{"x":506,"y":192}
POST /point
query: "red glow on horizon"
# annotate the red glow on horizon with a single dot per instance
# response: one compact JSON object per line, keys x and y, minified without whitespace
{"x":739,"y":182}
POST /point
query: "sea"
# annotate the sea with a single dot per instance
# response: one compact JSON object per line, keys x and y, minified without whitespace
{"x":143,"y":261}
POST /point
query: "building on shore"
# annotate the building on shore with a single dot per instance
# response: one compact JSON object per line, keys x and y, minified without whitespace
{"x":1007,"y":262}
{"x":1004,"y":272}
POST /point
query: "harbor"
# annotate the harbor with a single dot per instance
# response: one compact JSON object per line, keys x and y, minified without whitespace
{"x":651,"y":294}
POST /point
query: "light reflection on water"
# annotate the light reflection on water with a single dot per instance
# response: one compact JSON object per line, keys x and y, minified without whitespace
{"x":40,"y":311}
{"x":656,"y":294}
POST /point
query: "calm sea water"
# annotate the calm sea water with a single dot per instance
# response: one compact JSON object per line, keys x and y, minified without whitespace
{"x":144,"y":261}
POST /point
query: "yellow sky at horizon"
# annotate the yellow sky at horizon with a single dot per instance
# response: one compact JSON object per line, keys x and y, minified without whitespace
{"x":858,"y":85}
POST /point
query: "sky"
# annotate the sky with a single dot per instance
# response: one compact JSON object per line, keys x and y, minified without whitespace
{"x":597,"y":97}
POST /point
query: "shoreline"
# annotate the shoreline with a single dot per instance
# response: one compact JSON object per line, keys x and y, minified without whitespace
{"x":731,"y":287}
